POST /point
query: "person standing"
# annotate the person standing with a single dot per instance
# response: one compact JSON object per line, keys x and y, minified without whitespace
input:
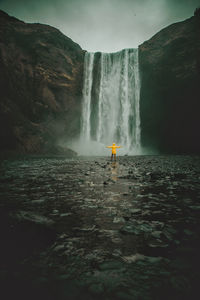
{"x":114,"y":152}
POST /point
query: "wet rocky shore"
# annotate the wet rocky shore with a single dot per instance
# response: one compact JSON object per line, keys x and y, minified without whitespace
{"x":89,"y":228}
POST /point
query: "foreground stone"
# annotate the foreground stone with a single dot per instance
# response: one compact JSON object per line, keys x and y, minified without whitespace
{"x":67,"y":235}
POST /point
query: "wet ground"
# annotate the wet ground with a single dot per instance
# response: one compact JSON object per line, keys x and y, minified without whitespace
{"x":89,"y":228}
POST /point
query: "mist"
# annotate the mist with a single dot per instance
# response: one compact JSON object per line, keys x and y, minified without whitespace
{"x":107,"y":25}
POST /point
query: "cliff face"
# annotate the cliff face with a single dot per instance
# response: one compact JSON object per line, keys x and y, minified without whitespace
{"x":170,"y":88}
{"x":41,"y":77}
{"x":40,"y":86}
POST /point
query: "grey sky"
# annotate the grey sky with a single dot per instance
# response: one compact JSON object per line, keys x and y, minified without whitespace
{"x":103,"y":25}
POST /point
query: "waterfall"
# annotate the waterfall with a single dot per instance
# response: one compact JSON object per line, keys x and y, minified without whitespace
{"x":87,"y":88}
{"x":111,"y":100}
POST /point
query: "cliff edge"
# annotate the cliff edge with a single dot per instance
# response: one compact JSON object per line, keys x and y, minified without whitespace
{"x":40,"y":85}
{"x":170,"y":88}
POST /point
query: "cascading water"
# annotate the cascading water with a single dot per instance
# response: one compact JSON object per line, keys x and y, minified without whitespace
{"x":87,"y":87}
{"x":110,"y":107}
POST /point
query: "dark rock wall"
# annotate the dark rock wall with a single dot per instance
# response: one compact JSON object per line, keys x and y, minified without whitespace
{"x":170,"y":88}
{"x":40,"y":86}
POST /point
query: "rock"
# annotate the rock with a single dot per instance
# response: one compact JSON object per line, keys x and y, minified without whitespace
{"x":86,"y":229}
{"x":156,"y":234}
{"x":141,"y":227}
{"x":146,"y":213}
{"x":133,"y":258}
{"x":130,"y":229}
{"x":31,"y":217}
{"x":63,"y":236}
{"x":111,"y":265}
{"x":195,"y":207}
{"x":117,"y":252}
{"x":88,"y":247}
{"x":58,"y":248}
{"x":24,"y":234}
{"x":158,"y":244}
{"x":118,"y":220}
{"x":39,"y":201}
{"x":152,"y":259}
{"x":65,"y":215}
{"x":169,"y":67}
{"x":55,"y":212}
{"x":42,"y":106}
{"x":135,"y":210}
{"x":188,"y":232}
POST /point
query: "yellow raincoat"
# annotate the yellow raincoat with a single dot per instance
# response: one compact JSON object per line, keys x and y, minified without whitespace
{"x":113,"y":147}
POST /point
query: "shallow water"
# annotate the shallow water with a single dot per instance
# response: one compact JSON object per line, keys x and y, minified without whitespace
{"x":90,"y":228}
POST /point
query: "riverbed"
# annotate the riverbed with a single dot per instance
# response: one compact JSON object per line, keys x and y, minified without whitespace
{"x":88,"y":228}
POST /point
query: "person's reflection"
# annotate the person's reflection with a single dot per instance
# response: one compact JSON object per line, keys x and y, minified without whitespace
{"x":114,"y":170}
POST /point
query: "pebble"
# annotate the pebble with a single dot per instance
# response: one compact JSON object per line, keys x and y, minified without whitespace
{"x":128,"y":232}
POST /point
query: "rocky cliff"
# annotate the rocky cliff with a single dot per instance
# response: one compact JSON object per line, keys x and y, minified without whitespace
{"x":170,"y":88}
{"x":40,"y":86}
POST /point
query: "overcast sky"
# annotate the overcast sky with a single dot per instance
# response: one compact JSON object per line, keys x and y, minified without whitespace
{"x":103,"y":25}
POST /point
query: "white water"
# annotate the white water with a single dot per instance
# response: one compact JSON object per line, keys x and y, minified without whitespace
{"x":87,"y":88}
{"x":116,"y":103}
